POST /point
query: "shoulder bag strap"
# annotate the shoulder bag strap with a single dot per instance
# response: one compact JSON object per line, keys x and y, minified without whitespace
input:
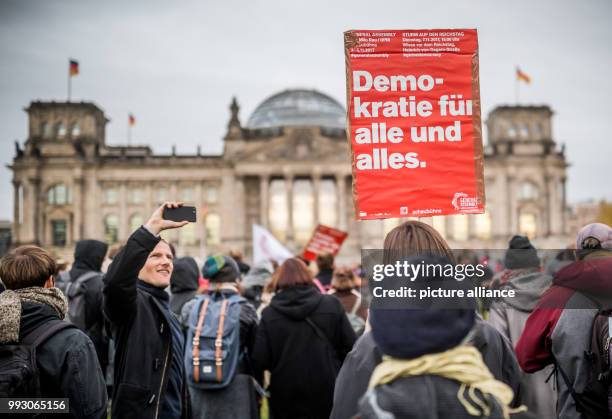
{"x":219,"y":341}
{"x":195,"y":353}
{"x":312,"y":324}
{"x":570,"y":387}
{"x":357,"y":302}
{"x":44,"y":332}
{"x":318,"y":331}
{"x":80,"y":280}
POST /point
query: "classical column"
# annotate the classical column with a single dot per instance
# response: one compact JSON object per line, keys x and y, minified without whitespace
{"x":341,"y":198}
{"x":16,"y":212}
{"x":449,"y":226}
{"x":37,"y":212}
{"x":471,"y":233}
{"x":123,"y":215}
{"x":316,"y":186}
{"x":149,"y":204}
{"x":264,"y":200}
{"x":563,"y":206}
{"x":92,"y":210}
{"x":512,"y":207}
{"x":77,"y":205}
{"x":238,"y":214}
{"x":548,"y":196}
{"x":289,"y":192}
{"x":173,"y":234}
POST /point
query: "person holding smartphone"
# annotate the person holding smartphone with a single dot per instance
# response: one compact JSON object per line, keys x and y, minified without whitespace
{"x":149,"y":379}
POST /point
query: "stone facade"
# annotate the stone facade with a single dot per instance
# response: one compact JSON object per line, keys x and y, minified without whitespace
{"x":287,"y":169}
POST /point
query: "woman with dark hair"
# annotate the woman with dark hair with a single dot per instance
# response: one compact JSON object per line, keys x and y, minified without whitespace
{"x":302,"y":339}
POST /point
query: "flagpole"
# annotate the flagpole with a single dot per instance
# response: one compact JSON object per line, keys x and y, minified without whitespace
{"x":129,"y":133}
{"x":517,"y":86}
{"x":69,"y":85}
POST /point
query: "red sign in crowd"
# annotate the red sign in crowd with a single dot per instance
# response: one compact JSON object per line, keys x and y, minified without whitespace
{"x":324,"y":240}
{"x":414,"y":122}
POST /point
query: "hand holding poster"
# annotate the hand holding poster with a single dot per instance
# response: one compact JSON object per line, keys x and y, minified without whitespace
{"x":414,"y":122}
{"x":324,"y":240}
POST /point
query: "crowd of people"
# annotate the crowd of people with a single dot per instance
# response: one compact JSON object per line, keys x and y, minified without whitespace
{"x":157,"y":336}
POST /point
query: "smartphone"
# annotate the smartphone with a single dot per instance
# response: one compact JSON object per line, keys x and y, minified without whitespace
{"x":180,"y":214}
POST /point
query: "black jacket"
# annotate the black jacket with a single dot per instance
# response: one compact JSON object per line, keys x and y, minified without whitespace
{"x":142,"y":334}
{"x":355,"y":374}
{"x":422,"y":396}
{"x":67,"y":364}
{"x":183,"y":283}
{"x":302,"y":364}
{"x":88,"y":257}
{"x":325,"y":277}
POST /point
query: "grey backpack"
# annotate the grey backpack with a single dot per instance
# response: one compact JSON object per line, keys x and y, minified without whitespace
{"x":75,"y":293}
{"x":357,"y":323}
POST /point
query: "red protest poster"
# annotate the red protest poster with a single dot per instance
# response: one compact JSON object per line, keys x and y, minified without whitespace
{"x":414,"y":122}
{"x":324,"y":240}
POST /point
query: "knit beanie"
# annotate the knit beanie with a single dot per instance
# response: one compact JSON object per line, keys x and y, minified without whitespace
{"x":408,"y":333}
{"x":220,"y":268}
{"x":521,"y":254}
{"x":601,"y":232}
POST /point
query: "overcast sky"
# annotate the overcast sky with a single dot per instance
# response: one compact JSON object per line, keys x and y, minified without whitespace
{"x":176,"y":65}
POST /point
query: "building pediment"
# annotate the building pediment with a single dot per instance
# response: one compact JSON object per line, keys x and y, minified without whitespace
{"x":298,"y":144}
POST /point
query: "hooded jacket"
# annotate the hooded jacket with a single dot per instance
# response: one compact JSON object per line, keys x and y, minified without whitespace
{"x":352,"y":382}
{"x":67,"y":363}
{"x":325,"y":277}
{"x":255,"y":281}
{"x":302,"y":364}
{"x":509,"y":316}
{"x":142,"y":333}
{"x":88,"y":257}
{"x":559,"y":329}
{"x":183,"y":283}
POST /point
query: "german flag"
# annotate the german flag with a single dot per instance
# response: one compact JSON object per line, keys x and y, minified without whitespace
{"x":131,"y":120}
{"x":522,"y":76}
{"x":74,"y":68}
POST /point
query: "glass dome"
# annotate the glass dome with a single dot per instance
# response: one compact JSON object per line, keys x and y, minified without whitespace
{"x":298,"y":108}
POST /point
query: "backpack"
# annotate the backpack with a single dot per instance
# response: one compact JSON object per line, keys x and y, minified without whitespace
{"x":595,"y":400}
{"x":18,"y":369}
{"x":357,"y":322}
{"x":213,"y":341}
{"x":75,"y":293}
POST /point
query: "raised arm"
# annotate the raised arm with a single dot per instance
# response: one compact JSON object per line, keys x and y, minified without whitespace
{"x":122,"y":276}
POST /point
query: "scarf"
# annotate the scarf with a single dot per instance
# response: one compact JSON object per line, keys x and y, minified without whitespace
{"x":10,"y":308}
{"x":463,"y":364}
{"x":159,"y":294}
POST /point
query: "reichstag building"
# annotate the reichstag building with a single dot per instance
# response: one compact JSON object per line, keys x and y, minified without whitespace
{"x":287,"y":168}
